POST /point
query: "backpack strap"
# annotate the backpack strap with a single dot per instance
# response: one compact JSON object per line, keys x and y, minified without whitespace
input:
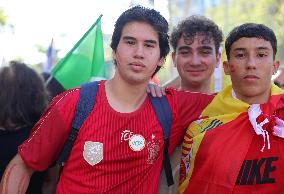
{"x":164,"y":115}
{"x":84,"y":107}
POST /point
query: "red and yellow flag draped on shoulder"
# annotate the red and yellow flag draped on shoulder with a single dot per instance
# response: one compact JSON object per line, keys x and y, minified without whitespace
{"x":222,"y":153}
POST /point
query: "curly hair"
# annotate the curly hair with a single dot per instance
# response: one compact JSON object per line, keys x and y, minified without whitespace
{"x":147,"y":15}
{"x":23,"y":96}
{"x":251,"y":30}
{"x":197,"y":25}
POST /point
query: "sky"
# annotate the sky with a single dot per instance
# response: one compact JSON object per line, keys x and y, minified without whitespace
{"x":36,"y":22}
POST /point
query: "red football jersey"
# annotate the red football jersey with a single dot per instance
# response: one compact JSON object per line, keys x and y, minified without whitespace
{"x":114,"y":152}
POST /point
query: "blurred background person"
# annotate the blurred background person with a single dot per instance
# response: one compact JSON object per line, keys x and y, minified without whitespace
{"x":23,"y":98}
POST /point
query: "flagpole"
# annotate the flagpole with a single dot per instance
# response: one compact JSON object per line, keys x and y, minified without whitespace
{"x":76,"y":45}
{"x":48,"y":80}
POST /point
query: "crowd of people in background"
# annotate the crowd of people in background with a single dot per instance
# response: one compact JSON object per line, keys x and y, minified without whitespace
{"x":230,"y":142}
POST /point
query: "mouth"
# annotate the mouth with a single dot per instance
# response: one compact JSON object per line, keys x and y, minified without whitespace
{"x":136,"y":66}
{"x":251,"y":77}
{"x":195,"y":70}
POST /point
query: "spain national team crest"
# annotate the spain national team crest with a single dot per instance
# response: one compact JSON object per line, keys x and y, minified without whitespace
{"x":93,"y":152}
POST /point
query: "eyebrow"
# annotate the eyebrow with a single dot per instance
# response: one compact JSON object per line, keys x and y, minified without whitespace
{"x":184,"y":47}
{"x":128,"y":38}
{"x":262,"y":48}
{"x":258,"y":48}
{"x":132,"y":38}
{"x":206,"y":47}
{"x":201,"y":47}
{"x":239,"y":49}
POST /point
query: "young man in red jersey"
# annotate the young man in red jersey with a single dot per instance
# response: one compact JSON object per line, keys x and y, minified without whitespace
{"x":103,"y":159}
{"x":237,"y":144}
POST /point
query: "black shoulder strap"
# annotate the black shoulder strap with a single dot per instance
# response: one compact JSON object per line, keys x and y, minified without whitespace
{"x":164,"y":114}
{"x":84,"y":107}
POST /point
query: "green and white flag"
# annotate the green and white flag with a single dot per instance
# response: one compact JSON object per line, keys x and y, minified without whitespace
{"x":84,"y":62}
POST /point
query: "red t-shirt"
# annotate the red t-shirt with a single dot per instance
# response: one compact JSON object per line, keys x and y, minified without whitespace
{"x":262,"y":172}
{"x":114,"y":152}
{"x":229,"y":158}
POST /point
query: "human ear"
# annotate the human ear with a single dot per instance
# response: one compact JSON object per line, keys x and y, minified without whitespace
{"x":276,"y":65}
{"x":161,"y":62}
{"x":226,"y":67}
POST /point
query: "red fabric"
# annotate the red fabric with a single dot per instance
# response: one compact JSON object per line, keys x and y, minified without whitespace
{"x":229,"y":159}
{"x":122,"y":170}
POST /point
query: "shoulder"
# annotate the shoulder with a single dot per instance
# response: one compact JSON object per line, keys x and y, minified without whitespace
{"x":68,"y":97}
{"x":174,"y":94}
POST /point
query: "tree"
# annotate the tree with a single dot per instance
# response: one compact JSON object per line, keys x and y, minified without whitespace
{"x":230,"y":13}
{"x":3,"y":18}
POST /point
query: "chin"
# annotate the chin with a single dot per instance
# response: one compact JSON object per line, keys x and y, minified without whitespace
{"x":254,"y":93}
{"x":138,"y":81}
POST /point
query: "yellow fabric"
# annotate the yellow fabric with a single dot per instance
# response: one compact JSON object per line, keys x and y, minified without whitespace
{"x":223,"y":109}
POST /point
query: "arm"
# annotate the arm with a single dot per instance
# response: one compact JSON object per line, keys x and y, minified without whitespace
{"x":16,"y":177}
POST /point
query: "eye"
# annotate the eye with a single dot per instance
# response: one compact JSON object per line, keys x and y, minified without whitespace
{"x":130,"y":42}
{"x":148,"y":45}
{"x":261,"y":55}
{"x":206,"y":52}
{"x":240,"y":55}
{"x":183,"y":52}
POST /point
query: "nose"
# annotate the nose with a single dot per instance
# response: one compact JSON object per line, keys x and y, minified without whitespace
{"x":139,"y":51}
{"x":251,"y":63}
{"x":195,"y":59}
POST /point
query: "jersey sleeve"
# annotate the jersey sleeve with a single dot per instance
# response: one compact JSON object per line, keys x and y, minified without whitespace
{"x":49,"y":134}
{"x":186,"y":107}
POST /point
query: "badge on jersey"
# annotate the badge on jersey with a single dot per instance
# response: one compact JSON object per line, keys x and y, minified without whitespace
{"x":93,"y":152}
{"x":137,"y":142}
{"x":153,"y":151}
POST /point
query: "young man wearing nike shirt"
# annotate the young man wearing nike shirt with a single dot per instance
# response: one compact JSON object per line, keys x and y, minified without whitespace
{"x":237,"y":144}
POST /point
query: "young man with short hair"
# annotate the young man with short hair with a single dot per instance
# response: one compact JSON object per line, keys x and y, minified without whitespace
{"x":237,"y":144}
{"x":119,"y":148}
{"x":196,"y":52}
{"x":196,"y":43}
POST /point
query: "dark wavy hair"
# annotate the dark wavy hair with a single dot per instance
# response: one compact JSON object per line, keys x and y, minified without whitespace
{"x":23,"y":96}
{"x":251,"y":30}
{"x":197,"y":25}
{"x":147,"y":15}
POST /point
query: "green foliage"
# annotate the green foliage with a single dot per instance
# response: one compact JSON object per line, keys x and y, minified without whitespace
{"x":230,"y":13}
{"x":3,"y":18}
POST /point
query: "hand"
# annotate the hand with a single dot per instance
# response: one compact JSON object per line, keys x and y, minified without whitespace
{"x":155,"y":90}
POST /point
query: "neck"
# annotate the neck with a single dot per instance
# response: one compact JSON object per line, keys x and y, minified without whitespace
{"x":124,"y":97}
{"x":256,"y":99}
{"x":203,"y":88}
